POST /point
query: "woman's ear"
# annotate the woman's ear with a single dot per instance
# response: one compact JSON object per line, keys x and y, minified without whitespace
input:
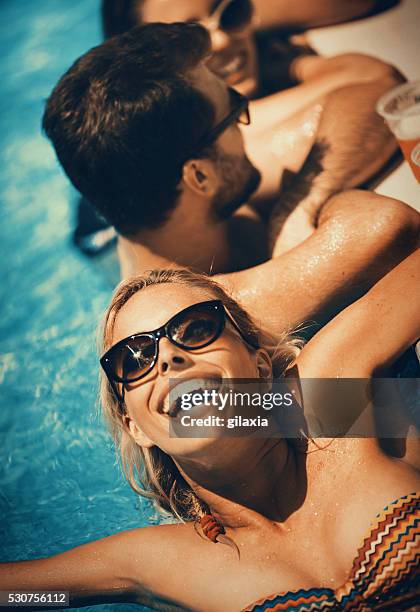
{"x":136,"y":433}
{"x":264,"y":366}
{"x":200,"y":176}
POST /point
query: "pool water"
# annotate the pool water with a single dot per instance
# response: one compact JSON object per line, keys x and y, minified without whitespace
{"x":60,"y":485}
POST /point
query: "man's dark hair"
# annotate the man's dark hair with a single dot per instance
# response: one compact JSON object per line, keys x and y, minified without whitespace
{"x":123,"y":118}
{"x":118,"y":16}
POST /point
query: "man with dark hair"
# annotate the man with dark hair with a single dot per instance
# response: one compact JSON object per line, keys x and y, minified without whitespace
{"x":124,"y":144}
{"x":150,"y":136}
{"x":287,"y":123}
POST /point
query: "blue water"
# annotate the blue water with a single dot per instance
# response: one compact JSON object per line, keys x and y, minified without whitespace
{"x":59,"y":482}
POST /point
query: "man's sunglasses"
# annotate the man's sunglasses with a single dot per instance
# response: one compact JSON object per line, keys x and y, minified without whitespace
{"x":239,"y":113}
{"x":191,"y":329}
{"x":230,"y":15}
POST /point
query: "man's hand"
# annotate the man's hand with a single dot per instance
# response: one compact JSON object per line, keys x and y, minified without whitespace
{"x":352,"y":144}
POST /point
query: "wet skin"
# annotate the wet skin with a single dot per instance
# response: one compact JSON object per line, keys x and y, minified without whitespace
{"x":339,"y":260}
{"x":285,"y":124}
{"x":296,"y":518}
{"x":234,"y":59}
{"x":265,"y":540}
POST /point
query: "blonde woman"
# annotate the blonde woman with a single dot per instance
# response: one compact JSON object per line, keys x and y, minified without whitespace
{"x":333,"y":525}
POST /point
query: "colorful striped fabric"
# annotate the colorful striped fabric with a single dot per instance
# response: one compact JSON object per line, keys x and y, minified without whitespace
{"x":385,"y":574}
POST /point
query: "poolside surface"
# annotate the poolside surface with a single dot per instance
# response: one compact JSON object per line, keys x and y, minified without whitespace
{"x":392,"y":36}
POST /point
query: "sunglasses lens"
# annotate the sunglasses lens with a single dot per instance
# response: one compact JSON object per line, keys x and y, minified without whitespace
{"x":134,"y":358}
{"x":197,"y":328}
{"x":236,"y":15}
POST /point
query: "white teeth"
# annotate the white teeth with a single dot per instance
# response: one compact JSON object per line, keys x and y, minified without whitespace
{"x":171,"y":404}
{"x":165,"y":407}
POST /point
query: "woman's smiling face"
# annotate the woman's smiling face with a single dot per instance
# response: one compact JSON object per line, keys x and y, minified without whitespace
{"x":147,"y":400}
{"x":234,"y":53}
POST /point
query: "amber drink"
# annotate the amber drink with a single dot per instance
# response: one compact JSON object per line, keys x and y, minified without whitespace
{"x":400,"y":108}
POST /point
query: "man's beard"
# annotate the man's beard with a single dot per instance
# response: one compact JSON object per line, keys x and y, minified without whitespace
{"x":240,"y":179}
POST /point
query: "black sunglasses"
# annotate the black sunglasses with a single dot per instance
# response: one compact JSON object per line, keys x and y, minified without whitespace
{"x":239,"y":113}
{"x":230,"y":15}
{"x":191,"y":329}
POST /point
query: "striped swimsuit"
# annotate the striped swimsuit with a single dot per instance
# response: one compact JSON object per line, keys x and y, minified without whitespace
{"x":385,"y":573}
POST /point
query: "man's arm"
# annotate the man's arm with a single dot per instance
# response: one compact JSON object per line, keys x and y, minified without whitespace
{"x":287,"y":124}
{"x":359,"y":238}
{"x":352,"y":143}
{"x":317,"y":76}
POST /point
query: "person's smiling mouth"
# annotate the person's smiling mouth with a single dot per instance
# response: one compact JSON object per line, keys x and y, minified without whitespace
{"x":172,"y":403}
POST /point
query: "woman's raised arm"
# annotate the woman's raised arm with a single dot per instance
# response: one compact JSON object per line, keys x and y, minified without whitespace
{"x":371,"y":333}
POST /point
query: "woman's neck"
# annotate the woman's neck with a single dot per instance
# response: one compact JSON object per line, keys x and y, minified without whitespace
{"x":246,"y":491}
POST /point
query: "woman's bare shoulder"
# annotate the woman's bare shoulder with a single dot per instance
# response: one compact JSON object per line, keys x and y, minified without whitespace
{"x":156,"y":539}
{"x":127,"y":566}
{"x":146,"y":556}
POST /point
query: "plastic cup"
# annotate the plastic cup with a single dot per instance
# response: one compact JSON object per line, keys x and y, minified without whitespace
{"x":400,"y":108}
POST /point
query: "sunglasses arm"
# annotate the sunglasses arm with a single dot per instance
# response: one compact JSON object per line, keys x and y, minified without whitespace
{"x":252,"y":345}
{"x":118,"y":397}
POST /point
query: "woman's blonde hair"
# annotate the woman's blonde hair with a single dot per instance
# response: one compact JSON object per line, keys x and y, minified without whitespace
{"x":150,"y":471}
